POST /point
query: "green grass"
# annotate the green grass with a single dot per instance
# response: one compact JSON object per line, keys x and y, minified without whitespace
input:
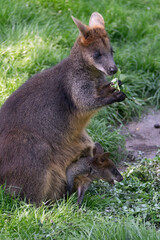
{"x":130,"y":210}
{"x":37,"y":34}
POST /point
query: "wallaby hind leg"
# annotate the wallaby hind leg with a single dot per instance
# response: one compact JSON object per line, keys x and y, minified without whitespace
{"x":24,"y":164}
{"x":81,"y":191}
{"x":79,"y":167}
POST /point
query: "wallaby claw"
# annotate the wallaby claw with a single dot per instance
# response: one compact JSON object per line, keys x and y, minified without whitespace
{"x":120,"y":96}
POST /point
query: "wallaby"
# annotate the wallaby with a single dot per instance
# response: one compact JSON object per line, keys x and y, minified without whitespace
{"x":42,"y":124}
{"x":81,"y":173}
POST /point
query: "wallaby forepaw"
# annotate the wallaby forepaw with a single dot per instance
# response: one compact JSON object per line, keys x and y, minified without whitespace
{"x":119,"y":83}
{"x":79,"y":203}
{"x":106,"y":90}
{"x":69,"y":191}
{"x":110,"y":87}
{"x":120,"y":96}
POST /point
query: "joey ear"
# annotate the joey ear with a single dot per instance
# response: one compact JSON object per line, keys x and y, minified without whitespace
{"x":97,"y":149}
{"x":96,"y":19}
{"x":82,"y":27}
{"x":102,"y":159}
{"x":105,"y":156}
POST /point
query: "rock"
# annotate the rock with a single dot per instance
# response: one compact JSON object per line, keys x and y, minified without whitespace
{"x":157,"y":125}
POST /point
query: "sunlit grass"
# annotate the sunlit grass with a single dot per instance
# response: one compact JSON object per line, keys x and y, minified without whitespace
{"x":126,"y":211}
{"x":37,"y":34}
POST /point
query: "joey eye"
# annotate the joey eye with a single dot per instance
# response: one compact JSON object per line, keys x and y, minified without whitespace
{"x":102,"y":159}
{"x":114,"y":171}
{"x":97,"y":55}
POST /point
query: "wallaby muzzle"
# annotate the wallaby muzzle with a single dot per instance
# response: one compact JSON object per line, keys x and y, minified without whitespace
{"x":112,"y":70}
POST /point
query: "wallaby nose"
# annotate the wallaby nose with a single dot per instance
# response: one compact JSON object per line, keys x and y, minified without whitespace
{"x":120,"y":178}
{"x":112,"y":70}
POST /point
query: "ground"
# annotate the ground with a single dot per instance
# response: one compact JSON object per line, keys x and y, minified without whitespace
{"x":143,"y":139}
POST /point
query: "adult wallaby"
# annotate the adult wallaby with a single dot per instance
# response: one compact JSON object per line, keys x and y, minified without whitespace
{"x":42,"y":124}
{"x":81,"y":173}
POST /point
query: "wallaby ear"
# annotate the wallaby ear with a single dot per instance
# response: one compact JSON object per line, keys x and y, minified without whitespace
{"x":97,"y":149}
{"x":82,"y":27}
{"x":105,"y":156}
{"x":96,"y":19}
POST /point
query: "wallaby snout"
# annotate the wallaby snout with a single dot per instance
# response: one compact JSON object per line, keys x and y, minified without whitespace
{"x":112,"y":70}
{"x":119,"y":178}
{"x":115,"y":175}
{"x":110,"y":65}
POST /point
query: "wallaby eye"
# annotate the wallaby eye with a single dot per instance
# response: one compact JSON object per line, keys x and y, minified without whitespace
{"x":114,"y":171}
{"x":97,"y":55}
{"x":102,"y":159}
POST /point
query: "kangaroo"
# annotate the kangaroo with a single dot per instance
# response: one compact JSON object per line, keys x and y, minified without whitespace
{"x":81,"y":173}
{"x":42,"y":124}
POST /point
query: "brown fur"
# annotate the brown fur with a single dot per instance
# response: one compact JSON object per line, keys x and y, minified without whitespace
{"x":94,"y":34}
{"x":42,"y":124}
{"x":81,"y":173}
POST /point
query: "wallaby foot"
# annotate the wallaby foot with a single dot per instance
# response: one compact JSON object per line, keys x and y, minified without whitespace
{"x":81,"y":191}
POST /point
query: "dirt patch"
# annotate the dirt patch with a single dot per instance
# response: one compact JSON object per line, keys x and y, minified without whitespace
{"x":143,"y":136}
{"x":143,"y":139}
